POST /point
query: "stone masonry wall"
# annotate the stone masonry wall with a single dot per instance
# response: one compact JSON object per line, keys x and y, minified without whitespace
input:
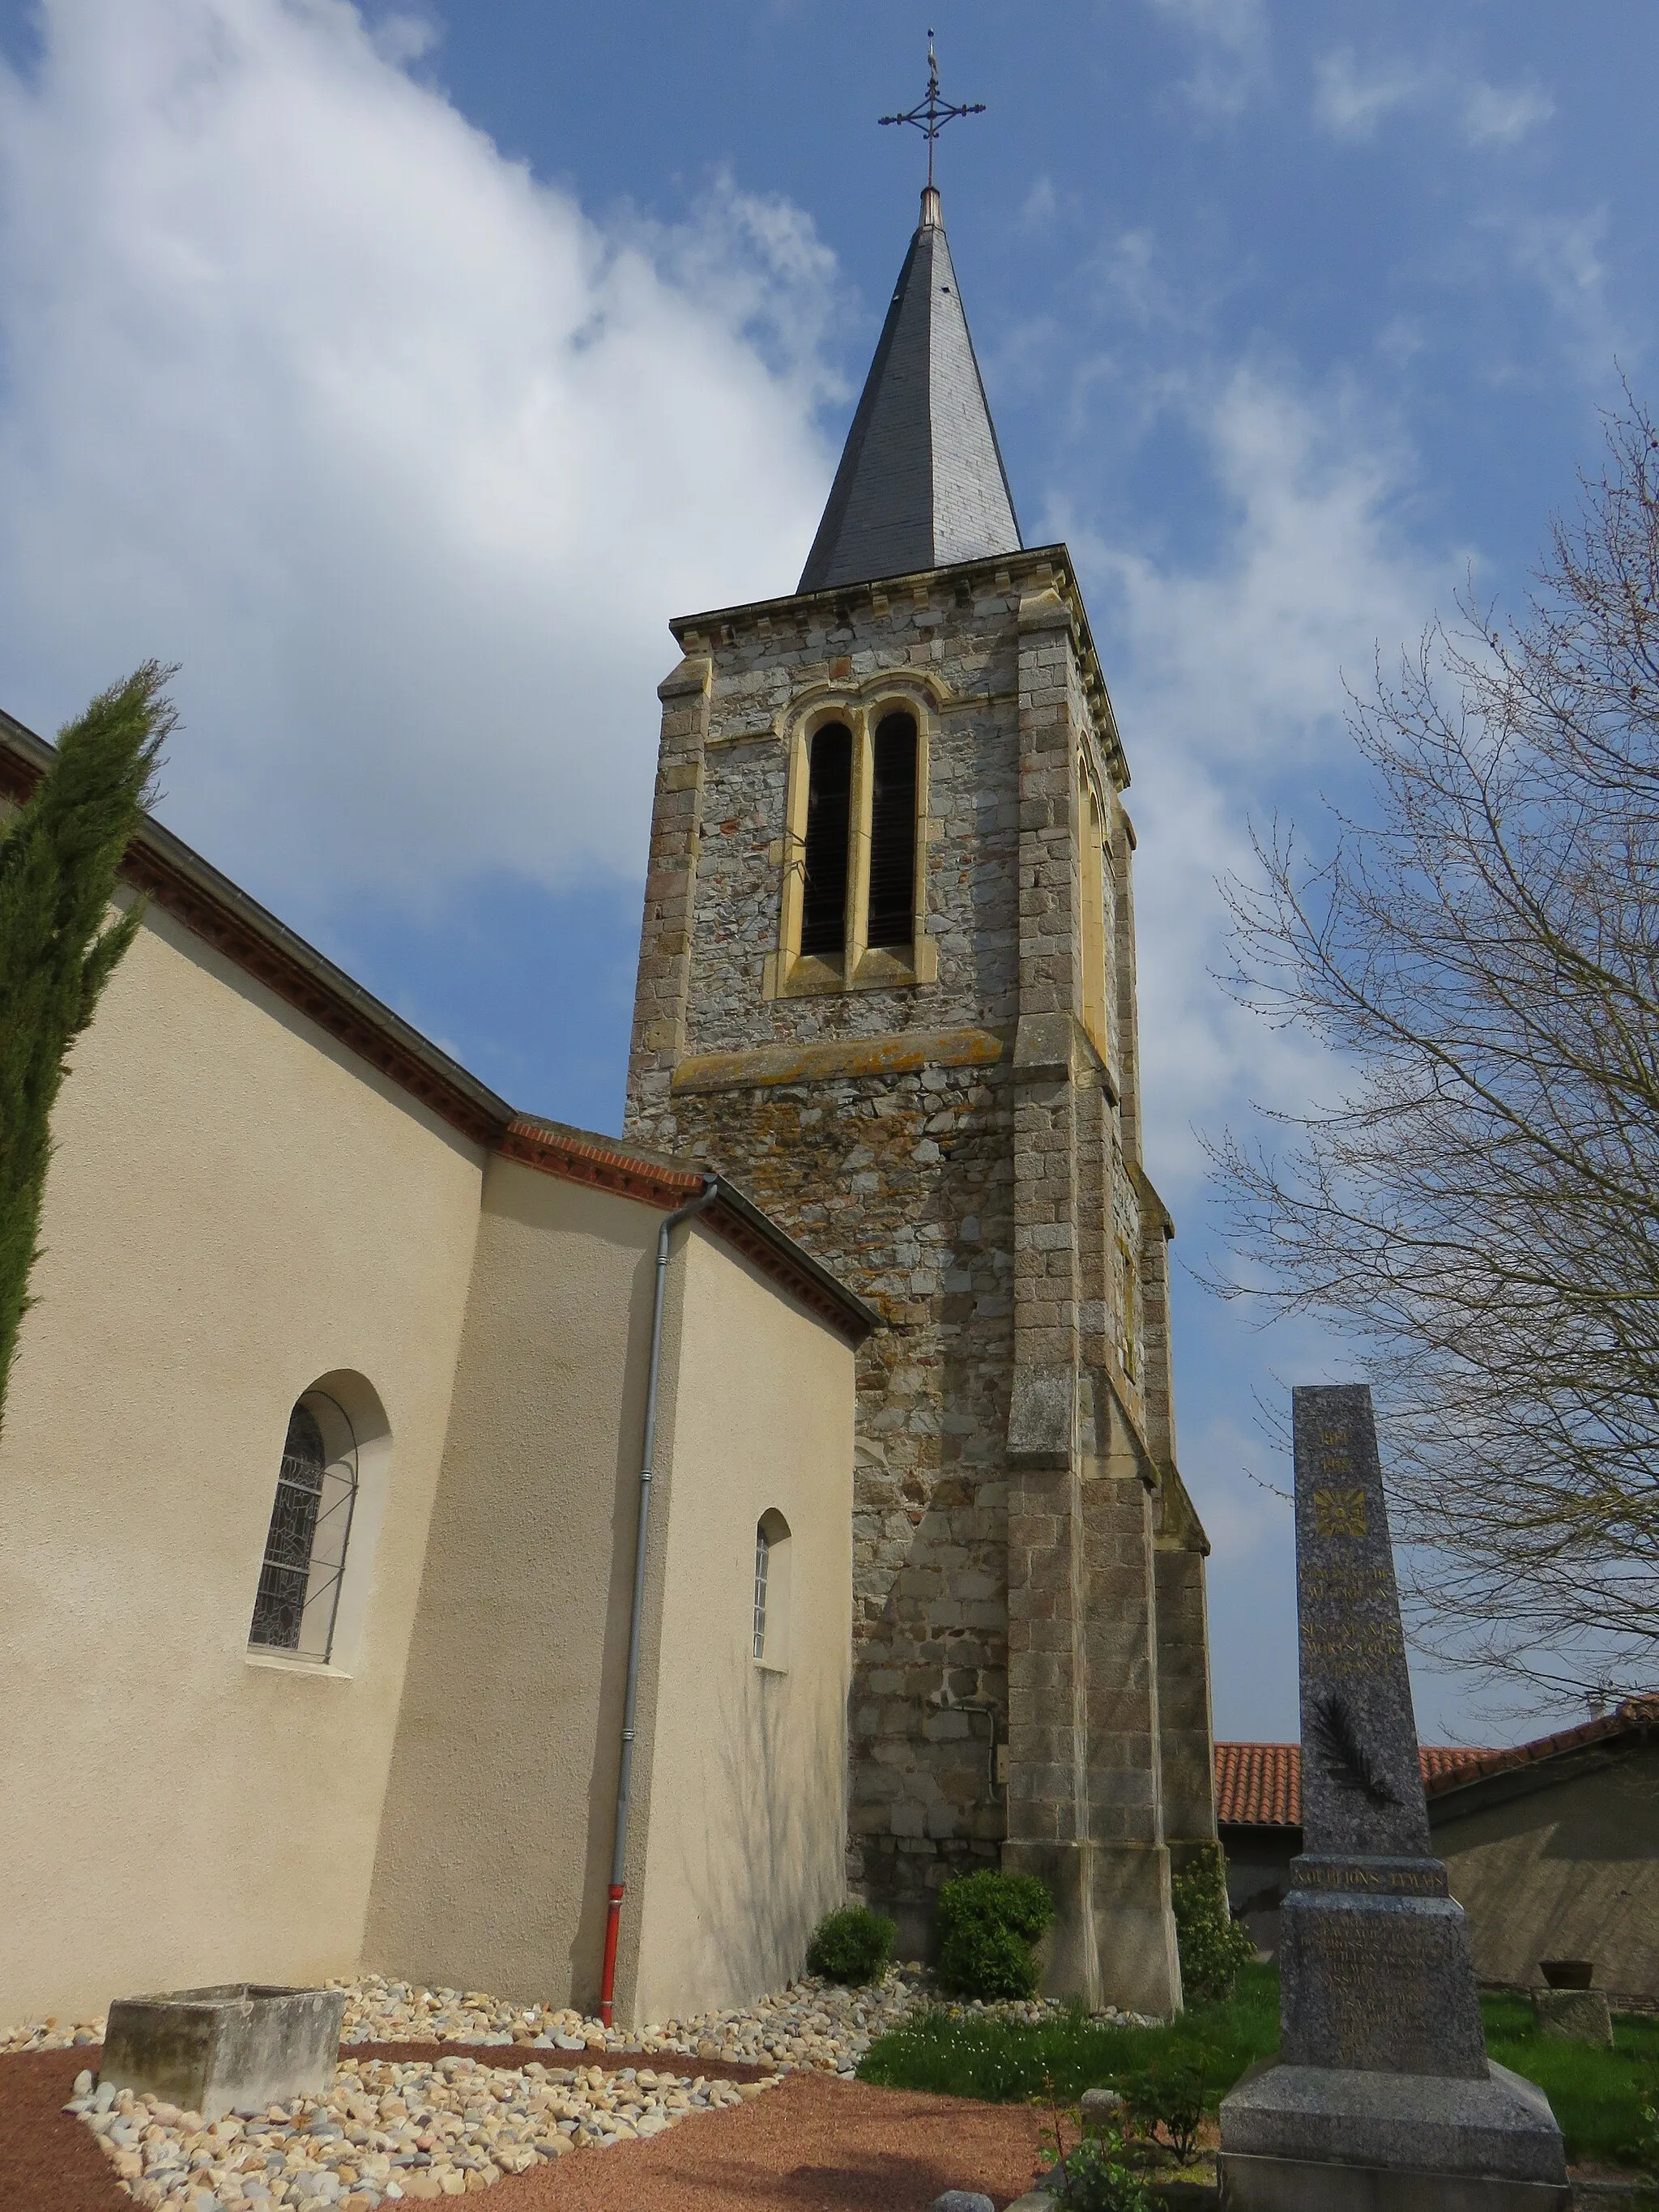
{"x":891,"y":1130}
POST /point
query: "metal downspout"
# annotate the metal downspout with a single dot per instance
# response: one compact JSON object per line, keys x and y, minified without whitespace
{"x":706,"y":1197}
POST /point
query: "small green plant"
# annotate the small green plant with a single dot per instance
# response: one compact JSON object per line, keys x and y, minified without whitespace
{"x":851,"y":1946}
{"x":1092,"y":2175}
{"x":986,"y":1924}
{"x":1647,"y":2130}
{"x":1213,"y":1946}
{"x":1169,"y":2095}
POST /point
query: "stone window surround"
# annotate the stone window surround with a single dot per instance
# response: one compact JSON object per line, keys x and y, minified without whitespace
{"x":861,"y":967}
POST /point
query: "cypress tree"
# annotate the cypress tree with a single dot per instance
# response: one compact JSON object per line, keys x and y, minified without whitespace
{"x":59,"y":857}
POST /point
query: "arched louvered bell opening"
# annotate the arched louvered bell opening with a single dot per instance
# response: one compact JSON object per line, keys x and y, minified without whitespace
{"x":893,"y":832}
{"x":829,"y":798}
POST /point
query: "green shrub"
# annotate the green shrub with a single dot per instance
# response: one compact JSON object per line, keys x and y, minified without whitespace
{"x":853,"y":1945}
{"x":60,"y":857}
{"x":1171,"y":2095}
{"x":1213,"y":1946}
{"x":986,"y":1924}
{"x":1094,"y":2179}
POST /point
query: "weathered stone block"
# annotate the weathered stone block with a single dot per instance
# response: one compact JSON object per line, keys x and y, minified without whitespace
{"x":236,"y":2045}
{"x":1574,"y":2015}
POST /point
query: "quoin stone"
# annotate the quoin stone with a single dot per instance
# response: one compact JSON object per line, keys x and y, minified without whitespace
{"x":1382,"y":2098}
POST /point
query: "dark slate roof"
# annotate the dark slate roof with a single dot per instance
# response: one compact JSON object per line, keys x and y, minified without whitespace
{"x":922,"y":482}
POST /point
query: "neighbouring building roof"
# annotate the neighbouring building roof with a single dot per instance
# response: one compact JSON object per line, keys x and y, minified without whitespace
{"x":921,"y":483}
{"x":1259,"y":1786}
{"x":179,"y":880}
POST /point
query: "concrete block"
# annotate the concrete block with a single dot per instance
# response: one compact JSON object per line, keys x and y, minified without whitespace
{"x":238,"y":2044}
{"x":1574,"y":2015}
{"x":1101,"y":2108}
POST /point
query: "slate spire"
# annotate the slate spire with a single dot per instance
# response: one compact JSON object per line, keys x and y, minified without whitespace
{"x":921,"y":483}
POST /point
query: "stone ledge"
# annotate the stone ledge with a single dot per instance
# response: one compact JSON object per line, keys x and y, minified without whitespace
{"x":1333,"y":2119}
{"x":898,"y":1052}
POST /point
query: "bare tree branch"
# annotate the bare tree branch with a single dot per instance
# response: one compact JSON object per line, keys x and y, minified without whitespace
{"x":1479,"y":1207}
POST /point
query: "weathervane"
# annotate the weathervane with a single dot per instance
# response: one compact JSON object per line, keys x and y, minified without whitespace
{"x":930,"y":115}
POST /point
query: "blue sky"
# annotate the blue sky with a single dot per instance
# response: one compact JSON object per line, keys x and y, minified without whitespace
{"x":400,"y":371}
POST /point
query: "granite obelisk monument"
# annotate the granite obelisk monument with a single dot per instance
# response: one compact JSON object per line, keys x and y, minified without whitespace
{"x":1382,"y":2098}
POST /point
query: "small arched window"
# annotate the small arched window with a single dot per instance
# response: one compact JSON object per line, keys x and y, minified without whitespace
{"x":299,"y":1593}
{"x":772,"y":1548}
{"x":828,"y":804}
{"x":893,"y":832}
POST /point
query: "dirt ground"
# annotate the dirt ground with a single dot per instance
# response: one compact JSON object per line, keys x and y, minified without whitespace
{"x":814,"y":2145}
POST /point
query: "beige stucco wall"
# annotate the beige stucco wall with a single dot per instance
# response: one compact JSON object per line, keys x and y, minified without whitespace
{"x":1568,"y":1870}
{"x":741,"y":1794}
{"x":236,"y":1208}
{"x":495,"y":1846}
{"x":496,"y":1834}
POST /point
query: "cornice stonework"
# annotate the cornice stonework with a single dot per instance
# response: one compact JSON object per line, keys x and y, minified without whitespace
{"x":1041,"y":566}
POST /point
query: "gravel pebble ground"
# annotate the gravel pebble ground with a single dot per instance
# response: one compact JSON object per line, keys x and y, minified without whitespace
{"x":387,"y":2130}
{"x":813,"y":2024}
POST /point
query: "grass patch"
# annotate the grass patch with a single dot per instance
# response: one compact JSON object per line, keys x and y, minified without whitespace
{"x":1003,"y":2063}
{"x":1597,"y":2096}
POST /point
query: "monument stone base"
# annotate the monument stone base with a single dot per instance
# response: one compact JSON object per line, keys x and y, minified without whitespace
{"x":1330,"y":2139}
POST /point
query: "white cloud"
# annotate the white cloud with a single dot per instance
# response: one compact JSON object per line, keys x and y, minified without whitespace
{"x":1231,"y":37}
{"x":1351,"y":101}
{"x":403,"y":457}
{"x":1496,"y":115}
{"x":1227,"y":676}
{"x":1563,"y":256}
{"x":1038,"y":207}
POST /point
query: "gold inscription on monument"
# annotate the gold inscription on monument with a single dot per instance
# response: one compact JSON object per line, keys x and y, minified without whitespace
{"x":1339,"y":1512}
{"x":1348,"y":1587}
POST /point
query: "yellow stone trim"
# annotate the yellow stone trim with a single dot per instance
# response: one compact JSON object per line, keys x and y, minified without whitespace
{"x":900,"y":1053}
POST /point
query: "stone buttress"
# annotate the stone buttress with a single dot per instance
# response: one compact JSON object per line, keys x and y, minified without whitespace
{"x":953,"y":1127}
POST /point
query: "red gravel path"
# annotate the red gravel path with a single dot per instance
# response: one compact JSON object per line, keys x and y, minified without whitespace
{"x":814,"y":2145}
{"x":48,"y":2161}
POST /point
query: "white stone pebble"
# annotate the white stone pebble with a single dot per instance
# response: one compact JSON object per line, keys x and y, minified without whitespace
{"x":51,"y":2035}
{"x":814,"y":2025}
{"x":385,"y":2132}
{"x":811,"y":2024}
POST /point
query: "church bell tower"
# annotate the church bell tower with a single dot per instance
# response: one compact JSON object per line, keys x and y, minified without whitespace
{"x":887,"y":984}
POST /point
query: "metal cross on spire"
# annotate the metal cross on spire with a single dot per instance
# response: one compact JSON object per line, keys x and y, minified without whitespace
{"x":930,"y":115}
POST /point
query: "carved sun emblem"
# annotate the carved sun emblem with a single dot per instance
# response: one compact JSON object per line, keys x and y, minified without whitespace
{"x":1339,"y":1512}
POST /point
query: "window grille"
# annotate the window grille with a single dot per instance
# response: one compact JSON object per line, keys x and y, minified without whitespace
{"x":299,"y":1593}
{"x":828,"y":800}
{"x":763,"y":1552}
{"x":893,"y":832}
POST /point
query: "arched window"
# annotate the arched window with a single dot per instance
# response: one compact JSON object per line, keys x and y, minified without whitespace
{"x":893,"y":832}
{"x":299,"y":1593}
{"x":829,"y":798}
{"x":772,"y":1590}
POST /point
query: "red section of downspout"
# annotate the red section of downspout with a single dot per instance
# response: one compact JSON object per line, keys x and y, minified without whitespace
{"x":608,"y":1978}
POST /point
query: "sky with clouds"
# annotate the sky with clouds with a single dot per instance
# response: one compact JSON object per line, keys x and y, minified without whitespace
{"x":399,"y":370}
